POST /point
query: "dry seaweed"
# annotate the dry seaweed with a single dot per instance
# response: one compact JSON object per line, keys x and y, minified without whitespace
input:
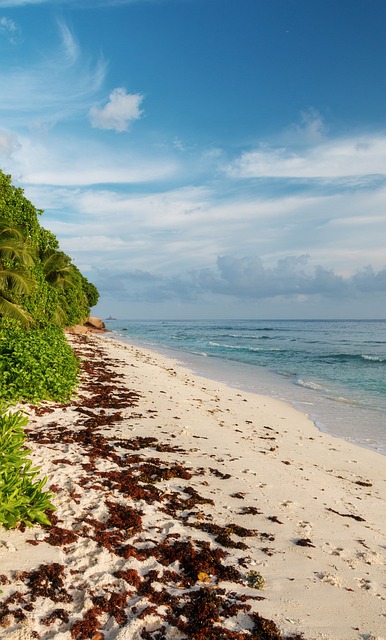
{"x":47,"y":582}
{"x":264,"y":629}
{"x":222,"y":535}
{"x":347,"y":515}
{"x":304,"y":542}
{"x":176,"y":596}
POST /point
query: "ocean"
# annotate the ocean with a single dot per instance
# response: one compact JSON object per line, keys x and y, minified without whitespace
{"x":335,"y":371}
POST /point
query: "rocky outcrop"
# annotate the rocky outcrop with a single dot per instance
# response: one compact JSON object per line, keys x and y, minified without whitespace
{"x":79,"y":329}
{"x":91,"y":325}
{"x":95,"y":323}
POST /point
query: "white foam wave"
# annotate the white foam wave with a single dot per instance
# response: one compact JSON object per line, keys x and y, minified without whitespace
{"x":309,"y":384}
{"x":373,"y":358}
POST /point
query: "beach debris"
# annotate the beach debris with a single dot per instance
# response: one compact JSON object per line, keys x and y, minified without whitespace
{"x":267,"y":550}
{"x":304,"y":542}
{"x":47,"y":581}
{"x":347,"y":515}
{"x":219,"y":474}
{"x":222,"y":535}
{"x":203,"y":577}
{"x":275,"y":519}
{"x":267,"y":629}
{"x":87,"y":627}
{"x":253,"y":511}
{"x":240,"y":495}
{"x":255,"y":580}
{"x":56,"y":614}
{"x":361,"y":483}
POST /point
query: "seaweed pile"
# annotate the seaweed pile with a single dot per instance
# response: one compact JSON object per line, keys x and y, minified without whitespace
{"x":167,"y":577}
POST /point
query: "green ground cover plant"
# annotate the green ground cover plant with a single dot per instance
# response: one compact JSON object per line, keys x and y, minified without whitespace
{"x":22,"y":499}
{"x":36,"y":364}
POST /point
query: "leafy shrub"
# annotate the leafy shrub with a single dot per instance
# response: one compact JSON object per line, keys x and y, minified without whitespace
{"x":36,"y":364}
{"x":15,"y":207}
{"x":21,"y":497}
{"x":73,"y":300}
{"x":92,"y":293}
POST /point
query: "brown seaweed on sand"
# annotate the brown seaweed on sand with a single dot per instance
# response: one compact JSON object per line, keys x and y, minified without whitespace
{"x":184,"y":593}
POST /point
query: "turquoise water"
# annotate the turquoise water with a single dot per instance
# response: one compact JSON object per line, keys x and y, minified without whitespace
{"x":333,"y":370}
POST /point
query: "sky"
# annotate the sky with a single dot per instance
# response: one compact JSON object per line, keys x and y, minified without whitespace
{"x":205,"y":158}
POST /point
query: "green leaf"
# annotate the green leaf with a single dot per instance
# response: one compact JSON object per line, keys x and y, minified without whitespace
{"x":21,"y":497}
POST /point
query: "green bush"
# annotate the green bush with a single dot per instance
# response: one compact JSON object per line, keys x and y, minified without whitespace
{"x":36,"y":364}
{"x":91,"y":292}
{"x":21,"y":497}
{"x":73,"y":300}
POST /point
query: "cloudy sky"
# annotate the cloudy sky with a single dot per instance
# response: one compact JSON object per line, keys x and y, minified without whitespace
{"x":205,"y":158}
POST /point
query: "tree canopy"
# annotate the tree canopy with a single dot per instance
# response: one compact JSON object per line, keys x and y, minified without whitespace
{"x":39,"y":284}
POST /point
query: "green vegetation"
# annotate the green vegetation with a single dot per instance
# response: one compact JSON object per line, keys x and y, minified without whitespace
{"x":15,"y":279}
{"x":36,"y":364}
{"x":39,"y":284}
{"x":255,"y":580}
{"x":41,"y":293}
{"x":21,"y":496}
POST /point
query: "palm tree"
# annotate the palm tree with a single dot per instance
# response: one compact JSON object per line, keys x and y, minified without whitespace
{"x":60,"y":274}
{"x":15,"y":245}
{"x":14,"y":282}
{"x":57,"y":269}
{"x":15,"y":254}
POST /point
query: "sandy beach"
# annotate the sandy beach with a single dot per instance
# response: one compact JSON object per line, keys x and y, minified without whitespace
{"x":188,"y":509}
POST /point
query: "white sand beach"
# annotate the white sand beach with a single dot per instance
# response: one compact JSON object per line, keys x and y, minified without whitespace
{"x":185,"y":508}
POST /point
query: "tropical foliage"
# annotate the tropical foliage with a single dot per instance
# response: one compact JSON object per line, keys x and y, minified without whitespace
{"x":15,"y":279}
{"x":21,"y":497}
{"x":36,"y":364}
{"x":39,"y":284}
{"x":41,"y":292}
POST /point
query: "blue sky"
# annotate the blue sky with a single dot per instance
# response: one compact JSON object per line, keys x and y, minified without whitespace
{"x":205,"y":158}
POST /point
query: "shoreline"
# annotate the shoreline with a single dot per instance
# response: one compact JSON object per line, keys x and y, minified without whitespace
{"x":174,"y":490}
{"x":332,"y":420}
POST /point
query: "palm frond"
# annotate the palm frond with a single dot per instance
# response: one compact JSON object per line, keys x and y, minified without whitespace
{"x":15,"y":244}
{"x":15,"y":281}
{"x":58,"y":269}
{"x":15,"y":311}
{"x":10,"y":249}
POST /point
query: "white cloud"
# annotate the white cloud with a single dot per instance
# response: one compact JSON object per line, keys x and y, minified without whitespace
{"x":186,"y":228}
{"x":310,"y":130}
{"x":9,"y":30}
{"x":59,"y":84}
{"x":92,"y":243}
{"x":162,"y":247}
{"x":8,"y":143}
{"x":293,"y":278}
{"x":127,"y":172}
{"x":339,"y":158}
{"x":121,"y":110}
{"x":68,"y":161}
